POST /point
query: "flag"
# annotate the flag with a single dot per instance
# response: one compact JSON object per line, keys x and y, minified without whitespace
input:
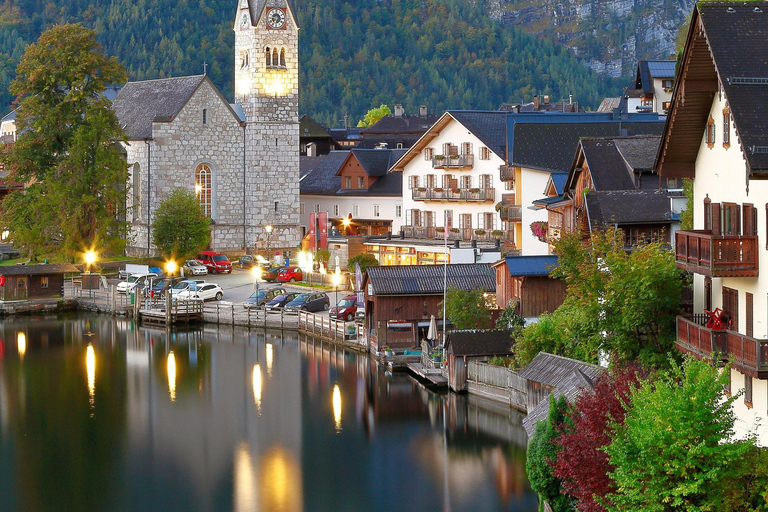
{"x":447,"y":223}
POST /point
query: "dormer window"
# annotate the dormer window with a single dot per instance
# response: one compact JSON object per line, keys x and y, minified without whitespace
{"x":726,"y":128}
{"x":710,"y":132}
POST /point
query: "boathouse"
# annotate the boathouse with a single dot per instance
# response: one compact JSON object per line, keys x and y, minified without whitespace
{"x":400,"y":299}
{"x":32,"y":282}
{"x":475,"y":344}
{"x":526,"y":280}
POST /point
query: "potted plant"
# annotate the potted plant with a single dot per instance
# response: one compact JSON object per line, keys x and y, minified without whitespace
{"x":387,"y":351}
{"x":497,"y":233}
{"x":539,"y":229}
{"x":439,"y":157}
{"x":475,"y":190}
{"x":480,"y":232}
{"x":498,"y":206}
{"x":421,"y":189}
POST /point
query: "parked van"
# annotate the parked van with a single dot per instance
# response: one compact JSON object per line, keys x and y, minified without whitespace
{"x":215,"y":262}
{"x":133,"y":281}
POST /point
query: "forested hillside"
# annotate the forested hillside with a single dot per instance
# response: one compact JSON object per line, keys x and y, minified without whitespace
{"x":354,"y":54}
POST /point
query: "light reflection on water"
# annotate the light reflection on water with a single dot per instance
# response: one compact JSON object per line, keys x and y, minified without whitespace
{"x":190,"y":421}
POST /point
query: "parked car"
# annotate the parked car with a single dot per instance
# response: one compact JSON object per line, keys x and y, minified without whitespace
{"x":215,"y":262}
{"x":360,"y":313}
{"x":163,"y":284}
{"x":203,"y":291}
{"x":183,"y":285}
{"x":270,"y":275}
{"x":250,"y":261}
{"x":194,"y":268}
{"x":290,"y":275}
{"x":132,"y":281}
{"x":315,"y":301}
{"x":261,"y":297}
{"x":280,"y":301}
{"x":345,"y":309}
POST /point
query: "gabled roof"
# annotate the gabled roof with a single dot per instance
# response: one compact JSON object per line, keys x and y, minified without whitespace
{"x":140,"y":103}
{"x":628,"y":207}
{"x":428,"y":279}
{"x":734,"y":34}
{"x":479,"y":342}
{"x":608,"y":104}
{"x":308,"y":127}
{"x":647,"y":70}
{"x":403,"y":124}
{"x":489,"y":127}
{"x":376,"y":162}
{"x":323,"y":179}
{"x":321,"y":175}
{"x":36,"y":270}
{"x":530,"y":266}
{"x":256,"y":7}
{"x":548,"y":141}
{"x":10,"y":116}
{"x":558,"y":180}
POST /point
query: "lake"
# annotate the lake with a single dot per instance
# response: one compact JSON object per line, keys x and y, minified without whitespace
{"x":99,"y":414}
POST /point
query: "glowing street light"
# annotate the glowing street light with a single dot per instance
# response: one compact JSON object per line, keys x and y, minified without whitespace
{"x":170,"y":267}
{"x":257,"y":385}
{"x":90,"y":259}
{"x":21,"y":342}
{"x":90,"y":368}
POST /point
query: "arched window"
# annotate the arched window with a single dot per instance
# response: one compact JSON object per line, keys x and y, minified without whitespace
{"x":244,"y":59}
{"x":269,"y":57}
{"x":203,"y":188}
{"x":282,"y":57}
{"x":275,"y":57}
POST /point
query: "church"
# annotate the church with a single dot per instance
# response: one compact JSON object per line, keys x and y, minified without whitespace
{"x":241,"y":160}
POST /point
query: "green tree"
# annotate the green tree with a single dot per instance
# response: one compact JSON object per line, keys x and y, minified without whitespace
{"x":180,"y":227}
{"x":467,"y":309}
{"x":686,"y":216}
{"x":373,"y":115}
{"x":365,"y":260}
{"x":68,"y":143}
{"x":542,"y":453}
{"x":673,"y":451}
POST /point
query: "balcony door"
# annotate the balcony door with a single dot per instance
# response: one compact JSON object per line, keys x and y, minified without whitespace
{"x":731,"y":306}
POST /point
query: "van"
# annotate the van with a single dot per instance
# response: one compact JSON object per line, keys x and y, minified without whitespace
{"x":215,"y":262}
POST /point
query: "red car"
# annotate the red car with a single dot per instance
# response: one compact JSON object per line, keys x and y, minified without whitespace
{"x":290,"y":274}
{"x":345,"y":309}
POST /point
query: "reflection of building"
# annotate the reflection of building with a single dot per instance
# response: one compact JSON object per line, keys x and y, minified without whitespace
{"x":717,"y":134}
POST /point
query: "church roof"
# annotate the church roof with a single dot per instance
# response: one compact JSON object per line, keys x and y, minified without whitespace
{"x":140,"y":103}
{"x":256,"y":7}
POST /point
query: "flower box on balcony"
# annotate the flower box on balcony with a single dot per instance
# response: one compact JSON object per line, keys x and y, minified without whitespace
{"x":480,"y":232}
{"x":421,"y":189}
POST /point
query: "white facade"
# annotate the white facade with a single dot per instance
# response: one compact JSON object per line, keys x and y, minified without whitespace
{"x":360,"y":207}
{"x":532,"y":186}
{"x":419,"y":175}
{"x":721,"y":174}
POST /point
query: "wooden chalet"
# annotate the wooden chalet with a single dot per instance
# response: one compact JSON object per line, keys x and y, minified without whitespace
{"x":400,"y":299}
{"x":32,"y":282}
{"x":526,"y":280}
{"x":466,"y":345}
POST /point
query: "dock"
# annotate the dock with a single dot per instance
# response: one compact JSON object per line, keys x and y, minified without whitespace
{"x":433,"y":377}
{"x":169,"y":312}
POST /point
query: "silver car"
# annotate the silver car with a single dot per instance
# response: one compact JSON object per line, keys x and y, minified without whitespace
{"x":194,"y":268}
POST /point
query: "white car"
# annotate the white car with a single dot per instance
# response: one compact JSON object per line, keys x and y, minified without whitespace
{"x":203,"y":291}
{"x":194,"y":268}
{"x":183,"y":285}
{"x":132,"y":281}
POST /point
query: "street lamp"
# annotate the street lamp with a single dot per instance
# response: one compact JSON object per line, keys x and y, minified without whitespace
{"x":268,"y":231}
{"x":336,"y":281}
{"x":170,"y":268}
{"x":90,"y":259}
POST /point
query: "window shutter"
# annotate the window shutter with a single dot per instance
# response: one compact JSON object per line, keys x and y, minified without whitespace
{"x":708,"y":213}
{"x":749,"y":224}
{"x":750,"y":319}
{"x":735,"y":219}
{"x":715,"y":219}
{"x":408,"y":218}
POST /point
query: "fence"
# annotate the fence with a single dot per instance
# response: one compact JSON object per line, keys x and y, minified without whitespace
{"x":496,"y":382}
{"x":339,"y":331}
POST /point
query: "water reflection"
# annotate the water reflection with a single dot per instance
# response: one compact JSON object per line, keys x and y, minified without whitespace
{"x":21,"y":342}
{"x":236,"y":437}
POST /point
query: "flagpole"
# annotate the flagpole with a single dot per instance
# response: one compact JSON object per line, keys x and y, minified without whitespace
{"x":445,"y":275}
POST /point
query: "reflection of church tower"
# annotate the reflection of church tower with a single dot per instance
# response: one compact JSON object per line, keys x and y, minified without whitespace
{"x":267,"y":89}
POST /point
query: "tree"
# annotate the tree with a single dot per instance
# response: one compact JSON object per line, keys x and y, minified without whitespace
{"x":673,"y":451}
{"x":467,"y":309}
{"x":365,"y":260}
{"x":541,"y":455}
{"x":581,"y":463}
{"x":180,"y":227}
{"x":373,"y":115}
{"x":68,"y":144}
{"x":510,"y":319}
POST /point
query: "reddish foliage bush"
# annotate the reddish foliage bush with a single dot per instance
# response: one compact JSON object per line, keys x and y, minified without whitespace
{"x":581,"y":464}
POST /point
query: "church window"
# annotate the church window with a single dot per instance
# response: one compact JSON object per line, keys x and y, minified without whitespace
{"x":275,"y":57}
{"x":203,"y":188}
{"x":269,"y":57}
{"x":282,"y":57}
{"x":205,"y":116}
{"x":244,"y":59}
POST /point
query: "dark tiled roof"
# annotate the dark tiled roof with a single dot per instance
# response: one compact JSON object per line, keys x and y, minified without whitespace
{"x":389,"y":185}
{"x":647,"y":70}
{"x":428,"y":279}
{"x":626,"y":207}
{"x":606,"y":166}
{"x":608,"y":104}
{"x":308,"y":127}
{"x":558,"y":180}
{"x":489,"y":127}
{"x":401,"y":125}
{"x":738,"y":37}
{"x":322,"y":179}
{"x":375,"y":162}
{"x":139,"y":103}
{"x":479,"y":342}
{"x":36,"y":270}
{"x":549,"y":143}
{"x":307,"y":163}
{"x":639,"y":152}
{"x":388,"y":140}
{"x":520,"y":266}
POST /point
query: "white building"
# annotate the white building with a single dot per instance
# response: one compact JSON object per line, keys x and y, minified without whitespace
{"x":652,"y":88}
{"x":717,"y":135}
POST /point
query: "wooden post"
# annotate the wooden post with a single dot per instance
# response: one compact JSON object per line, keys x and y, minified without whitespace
{"x":168,"y":303}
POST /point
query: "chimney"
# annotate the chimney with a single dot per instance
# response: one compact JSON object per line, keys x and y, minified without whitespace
{"x":402,"y":234}
{"x":311,"y":149}
{"x":398,"y":111}
{"x":423,"y":111}
{"x":536,"y":103}
{"x":546,"y":99}
{"x":570,"y":99}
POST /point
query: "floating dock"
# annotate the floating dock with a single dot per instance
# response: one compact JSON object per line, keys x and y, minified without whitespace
{"x":432,"y":376}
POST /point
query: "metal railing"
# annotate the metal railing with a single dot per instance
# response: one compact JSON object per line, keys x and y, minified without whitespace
{"x":453,"y":194}
{"x":453,"y":161}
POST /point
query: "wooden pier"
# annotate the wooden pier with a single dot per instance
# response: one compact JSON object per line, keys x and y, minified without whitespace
{"x":170,"y":312}
{"x":320,"y":325}
{"x":433,"y":377}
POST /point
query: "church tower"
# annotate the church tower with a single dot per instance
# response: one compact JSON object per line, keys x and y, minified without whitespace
{"x":267,"y":89}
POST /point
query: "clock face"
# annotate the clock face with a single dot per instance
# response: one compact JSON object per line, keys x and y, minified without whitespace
{"x":244,"y":21}
{"x":275,"y":18}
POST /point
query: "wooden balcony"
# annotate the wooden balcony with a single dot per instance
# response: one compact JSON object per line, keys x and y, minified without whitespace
{"x":453,"y":161}
{"x":724,"y":256}
{"x":508,"y":172}
{"x":511,"y":212}
{"x":454,"y":194}
{"x":462,"y":234}
{"x":747,"y":355}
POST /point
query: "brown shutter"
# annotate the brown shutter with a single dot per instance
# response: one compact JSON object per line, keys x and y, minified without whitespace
{"x":750,"y":326}
{"x":749,"y":220}
{"x":708,"y":213}
{"x":735,"y":219}
{"x":715,"y":219}
{"x":731,"y":307}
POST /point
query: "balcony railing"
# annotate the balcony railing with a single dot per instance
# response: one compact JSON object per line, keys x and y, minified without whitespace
{"x":454,"y":194}
{"x":746,"y":354}
{"x":511,"y":212}
{"x":730,"y":256}
{"x":507,"y":172}
{"x":453,"y":161}
{"x":463,"y":234}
